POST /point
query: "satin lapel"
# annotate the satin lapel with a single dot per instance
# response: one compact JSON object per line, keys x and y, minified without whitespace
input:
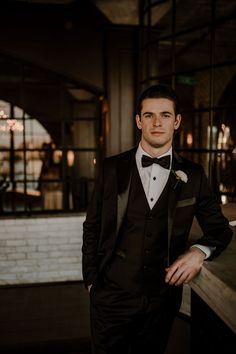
{"x":174,"y":192}
{"x":124,"y":175}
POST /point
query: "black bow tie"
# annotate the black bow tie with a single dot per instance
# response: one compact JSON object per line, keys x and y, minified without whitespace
{"x":162,"y":161}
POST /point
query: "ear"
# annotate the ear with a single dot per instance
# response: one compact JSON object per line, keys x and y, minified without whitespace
{"x":177,"y":122}
{"x":138,"y":121}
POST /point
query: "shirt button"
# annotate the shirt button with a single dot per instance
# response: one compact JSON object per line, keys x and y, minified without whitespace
{"x":154,"y":178}
{"x":151,"y":199}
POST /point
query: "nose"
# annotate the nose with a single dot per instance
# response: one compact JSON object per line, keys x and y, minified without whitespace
{"x":156,"y":121}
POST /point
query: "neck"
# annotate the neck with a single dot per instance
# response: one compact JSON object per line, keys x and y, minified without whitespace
{"x":154,"y":151}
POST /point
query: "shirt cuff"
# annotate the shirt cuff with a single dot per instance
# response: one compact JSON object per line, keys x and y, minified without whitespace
{"x":208,"y":250}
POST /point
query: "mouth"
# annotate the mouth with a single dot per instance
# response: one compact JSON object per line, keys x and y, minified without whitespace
{"x":157,"y":133}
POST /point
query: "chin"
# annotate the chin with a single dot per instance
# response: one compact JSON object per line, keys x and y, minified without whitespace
{"x":156,"y":144}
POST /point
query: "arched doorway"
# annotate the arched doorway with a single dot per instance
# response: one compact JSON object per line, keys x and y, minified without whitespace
{"x":62,"y":126}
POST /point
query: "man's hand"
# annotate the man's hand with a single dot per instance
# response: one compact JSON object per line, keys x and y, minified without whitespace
{"x":186,"y":267}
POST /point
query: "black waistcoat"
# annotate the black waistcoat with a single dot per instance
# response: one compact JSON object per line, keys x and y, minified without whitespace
{"x":140,"y":258}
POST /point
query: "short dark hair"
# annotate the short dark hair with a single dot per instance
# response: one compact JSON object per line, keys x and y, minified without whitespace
{"x":159,"y":91}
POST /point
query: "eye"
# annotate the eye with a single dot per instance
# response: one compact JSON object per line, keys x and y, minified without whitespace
{"x":166,"y":115}
{"x":147,"y":115}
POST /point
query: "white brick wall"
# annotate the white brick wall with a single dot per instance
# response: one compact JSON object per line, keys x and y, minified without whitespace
{"x":43,"y":249}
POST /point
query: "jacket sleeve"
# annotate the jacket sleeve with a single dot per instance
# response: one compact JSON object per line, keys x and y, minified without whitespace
{"x":215,"y":226}
{"x":91,"y":234}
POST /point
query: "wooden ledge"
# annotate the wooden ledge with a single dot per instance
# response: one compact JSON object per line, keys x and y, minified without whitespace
{"x":216,"y":284}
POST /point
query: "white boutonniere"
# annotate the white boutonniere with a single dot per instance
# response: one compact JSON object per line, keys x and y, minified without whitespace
{"x":180,"y":176}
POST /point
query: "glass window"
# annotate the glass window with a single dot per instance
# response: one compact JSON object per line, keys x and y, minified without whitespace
{"x":225,"y":35}
{"x":50,"y":135}
{"x":198,"y":59}
{"x":192,"y":51}
{"x":198,"y":13}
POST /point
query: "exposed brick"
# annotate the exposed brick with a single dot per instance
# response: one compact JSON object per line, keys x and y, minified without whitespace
{"x":42,"y":249}
{"x":16,"y":256}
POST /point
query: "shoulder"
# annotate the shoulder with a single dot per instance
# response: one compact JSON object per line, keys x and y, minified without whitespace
{"x":121,"y":157}
{"x":188,"y":165}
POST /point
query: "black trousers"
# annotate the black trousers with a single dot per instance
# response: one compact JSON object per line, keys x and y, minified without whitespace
{"x":123,"y":323}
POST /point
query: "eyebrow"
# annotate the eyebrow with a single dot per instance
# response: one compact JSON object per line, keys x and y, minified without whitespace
{"x":147,"y":113}
{"x":164,"y":112}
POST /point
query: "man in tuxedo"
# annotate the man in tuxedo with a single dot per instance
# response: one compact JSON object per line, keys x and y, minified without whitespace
{"x":136,"y":256}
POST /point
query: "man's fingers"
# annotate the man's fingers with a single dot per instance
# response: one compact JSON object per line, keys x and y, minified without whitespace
{"x":172,"y":275}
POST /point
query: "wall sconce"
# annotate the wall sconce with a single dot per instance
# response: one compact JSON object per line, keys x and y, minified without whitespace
{"x":70,"y":158}
{"x":189,"y":139}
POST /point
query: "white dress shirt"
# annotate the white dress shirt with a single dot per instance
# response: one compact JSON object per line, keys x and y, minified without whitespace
{"x":154,"y":179}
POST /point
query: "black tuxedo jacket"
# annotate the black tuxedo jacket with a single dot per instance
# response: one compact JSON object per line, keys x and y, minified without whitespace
{"x":186,"y":200}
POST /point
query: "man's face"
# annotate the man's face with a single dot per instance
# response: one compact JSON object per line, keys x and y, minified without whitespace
{"x":158,"y":123}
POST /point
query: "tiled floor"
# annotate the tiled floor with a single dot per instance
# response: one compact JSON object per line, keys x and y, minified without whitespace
{"x":54,"y":319}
